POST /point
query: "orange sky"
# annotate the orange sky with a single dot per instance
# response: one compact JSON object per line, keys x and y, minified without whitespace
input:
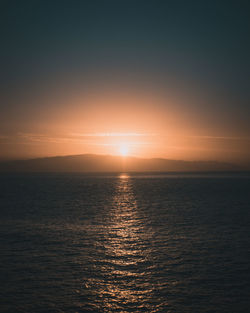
{"x":161,"y":79}
{"x":149,"y":122}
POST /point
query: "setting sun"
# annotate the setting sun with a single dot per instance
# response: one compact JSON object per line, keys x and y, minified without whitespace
{"x":123,"y":149}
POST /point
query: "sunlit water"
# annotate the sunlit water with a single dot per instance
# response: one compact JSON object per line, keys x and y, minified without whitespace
{"x":122,"y":243}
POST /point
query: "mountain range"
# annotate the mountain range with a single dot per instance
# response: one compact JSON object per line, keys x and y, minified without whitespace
{"x":109,"y":163}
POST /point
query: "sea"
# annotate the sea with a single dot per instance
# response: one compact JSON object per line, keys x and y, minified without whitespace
{"x":74,"y":242}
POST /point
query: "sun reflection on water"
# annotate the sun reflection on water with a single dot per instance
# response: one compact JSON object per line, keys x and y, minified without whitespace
{"x":124,"y":249}
{"x":124,"y":176}
{"x":122,"y":269}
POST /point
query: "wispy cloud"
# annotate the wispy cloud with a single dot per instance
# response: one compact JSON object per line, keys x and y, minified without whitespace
{"x":117,"y":144}
{"x":79,"y":137}
{"x":221,"y":137}
{"x":112,"y":134}
{"x":34,"y":137}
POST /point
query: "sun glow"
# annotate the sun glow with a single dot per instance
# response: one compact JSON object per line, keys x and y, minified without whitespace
{"x":123,"y":149}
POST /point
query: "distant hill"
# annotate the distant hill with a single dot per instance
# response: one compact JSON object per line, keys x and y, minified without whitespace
{"x":109,"y":163}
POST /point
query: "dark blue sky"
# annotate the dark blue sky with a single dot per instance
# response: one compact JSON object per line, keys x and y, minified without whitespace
{"x":198,"y":46}
{"x":206,"y":42}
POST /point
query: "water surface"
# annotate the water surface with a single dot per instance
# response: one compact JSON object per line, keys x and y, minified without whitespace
{"x":125,"y":243}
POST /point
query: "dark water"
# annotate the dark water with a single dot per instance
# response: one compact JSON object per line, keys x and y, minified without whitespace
{"x":77,"y":243}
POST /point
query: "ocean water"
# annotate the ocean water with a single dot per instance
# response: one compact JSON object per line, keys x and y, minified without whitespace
{"x":125,"y":243}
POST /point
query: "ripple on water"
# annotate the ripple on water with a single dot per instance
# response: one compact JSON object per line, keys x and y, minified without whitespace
{"x":77,"y":243}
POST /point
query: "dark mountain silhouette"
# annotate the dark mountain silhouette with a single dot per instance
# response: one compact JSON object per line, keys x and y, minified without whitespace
{"x":109,"y":163}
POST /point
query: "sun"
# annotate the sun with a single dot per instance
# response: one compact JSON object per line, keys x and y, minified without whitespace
{"x":123,"y":149}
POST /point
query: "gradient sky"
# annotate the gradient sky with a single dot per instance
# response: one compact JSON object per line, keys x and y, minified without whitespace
{"x":166,"y":78}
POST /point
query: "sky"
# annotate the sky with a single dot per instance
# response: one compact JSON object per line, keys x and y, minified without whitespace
{"x":155,"y":78}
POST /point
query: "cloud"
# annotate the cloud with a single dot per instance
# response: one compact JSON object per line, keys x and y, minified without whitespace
{"x":76,"y":138}
{"x":34,"y":137}
{"x":117,"y":144}
{"x":221,"y":137}
{"x":111,"y":134}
